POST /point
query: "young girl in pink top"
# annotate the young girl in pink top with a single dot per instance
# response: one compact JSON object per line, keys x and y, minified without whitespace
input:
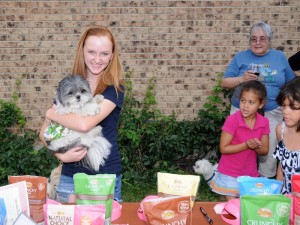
{"x":245,"y":134}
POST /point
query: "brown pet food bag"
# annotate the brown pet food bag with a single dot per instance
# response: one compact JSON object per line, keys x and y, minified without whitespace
{"x":37,"y":192}
{"x":168,"y":210}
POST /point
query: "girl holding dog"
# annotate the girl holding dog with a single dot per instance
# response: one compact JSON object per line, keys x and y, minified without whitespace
{"x":97,"y":60}
{"x":245,"y":134}
{"x":287,"y":151}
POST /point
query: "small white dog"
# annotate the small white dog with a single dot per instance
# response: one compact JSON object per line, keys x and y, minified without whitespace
{"x":205,"y":168}
{"x":74,"y":96}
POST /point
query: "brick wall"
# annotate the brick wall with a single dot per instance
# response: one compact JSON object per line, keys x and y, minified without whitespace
{"x":185,"y":44}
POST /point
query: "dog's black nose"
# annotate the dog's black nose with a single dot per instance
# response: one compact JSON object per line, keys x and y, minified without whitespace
{"x":78,"y":97}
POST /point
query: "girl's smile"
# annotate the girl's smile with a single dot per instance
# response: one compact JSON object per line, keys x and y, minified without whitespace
{"x":97,"y":54}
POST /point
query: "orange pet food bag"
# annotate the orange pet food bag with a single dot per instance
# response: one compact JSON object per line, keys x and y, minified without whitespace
{"x":168,"y":210}
{"x":37,"y":191}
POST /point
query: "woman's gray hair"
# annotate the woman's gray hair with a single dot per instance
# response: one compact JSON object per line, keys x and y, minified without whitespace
{"x":266,"y":28}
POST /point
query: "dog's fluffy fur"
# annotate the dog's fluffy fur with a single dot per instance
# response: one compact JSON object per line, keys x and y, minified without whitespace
{"x":53,"y":182}
{"x":74,"y":96}
{"x":205,"y":168}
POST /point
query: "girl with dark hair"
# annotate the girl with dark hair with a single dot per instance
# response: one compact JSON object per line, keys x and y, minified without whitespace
{"x":245,"y":134}
{"x":288,"y":134}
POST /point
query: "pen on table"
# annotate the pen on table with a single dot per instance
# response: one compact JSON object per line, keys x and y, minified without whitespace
{"x":209,"y":220}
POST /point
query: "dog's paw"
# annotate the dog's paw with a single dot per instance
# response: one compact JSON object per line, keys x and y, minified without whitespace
{"x":98,"y":98}
{"x":90,"y":109}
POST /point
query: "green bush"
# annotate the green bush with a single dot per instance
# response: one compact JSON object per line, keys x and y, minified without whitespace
{"x":17,"y":156}
{"x":151,"y":142}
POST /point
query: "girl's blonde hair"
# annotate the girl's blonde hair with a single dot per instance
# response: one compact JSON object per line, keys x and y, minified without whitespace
{"x":113,"y":73}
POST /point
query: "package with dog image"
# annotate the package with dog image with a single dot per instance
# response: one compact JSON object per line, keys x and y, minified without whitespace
{"x":169,"y":184}
{"x":271,"y":209}
{"x":37,"y":192}
{"x":96,"y":189}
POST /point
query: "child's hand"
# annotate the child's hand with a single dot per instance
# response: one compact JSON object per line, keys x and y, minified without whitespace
{"x":254,"y":143}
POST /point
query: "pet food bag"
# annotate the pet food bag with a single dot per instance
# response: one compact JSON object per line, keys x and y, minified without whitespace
{"x":95,"y":189}
{"x":269,"y":209}
{"x":296,"y":183}
{"x":168,"y":210}
{"x":55,"y":213}
{"x":16,"y":201}
{"x":37,"y":192}
{"x":2,"y":212}
{"x":296,"y":208}
{"x":296,"y":199}
{"x":258,"y":185}
{"x":177,"y":185}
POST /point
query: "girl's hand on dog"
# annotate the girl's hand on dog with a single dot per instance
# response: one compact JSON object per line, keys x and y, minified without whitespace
{"x":72,"y":155}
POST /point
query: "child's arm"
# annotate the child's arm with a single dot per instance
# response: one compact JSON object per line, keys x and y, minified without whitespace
{"x":227,"y":148}
{"x":279,"y":175}
{"x":81,"y":123}
{"x":263,"y":148}
{"x":278,"y":131}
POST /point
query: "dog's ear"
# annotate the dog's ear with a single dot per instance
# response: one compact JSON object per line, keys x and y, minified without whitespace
{"x":59,"y":92}
{"x":59,"y":98}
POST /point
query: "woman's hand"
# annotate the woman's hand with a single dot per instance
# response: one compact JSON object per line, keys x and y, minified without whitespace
{"x":248,"y":75}
{"x":72,"y":155}
{"x":42,"y":131}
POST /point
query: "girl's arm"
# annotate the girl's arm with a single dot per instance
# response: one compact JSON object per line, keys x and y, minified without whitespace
{"x":227,"y":148}
{"x":81,"y":123}
{"x":264,"y":149}
{"x":72,"y":155}
{"x":278,"y":131}
{"x":42,"y":131}
{"x":279,"y":175}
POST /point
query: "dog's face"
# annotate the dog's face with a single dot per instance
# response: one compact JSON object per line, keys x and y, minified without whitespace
{"x":73,"y":90}
{"x":203,"y":167}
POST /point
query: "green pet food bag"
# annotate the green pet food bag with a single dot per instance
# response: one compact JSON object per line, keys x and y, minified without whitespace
{"x":95,"y":190}
{"x":267,"y":209}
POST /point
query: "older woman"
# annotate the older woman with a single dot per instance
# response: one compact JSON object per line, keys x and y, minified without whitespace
{"x":269,"y":66}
